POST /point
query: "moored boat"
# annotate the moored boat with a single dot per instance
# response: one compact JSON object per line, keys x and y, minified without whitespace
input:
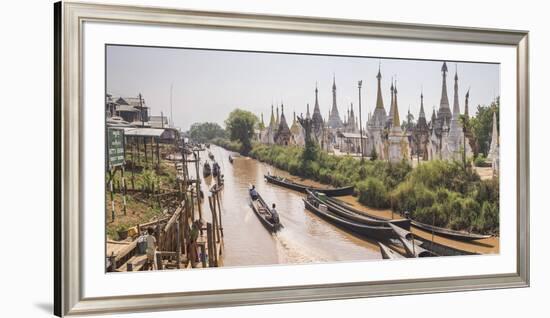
{"x":388,"y":253}
{"x":357,"y":216}
{"x":369,"y":231}
{"x":456,"y":235}
{"x":264,"y":213}
{"x":302,"y":188}
{"x":206,"y":170}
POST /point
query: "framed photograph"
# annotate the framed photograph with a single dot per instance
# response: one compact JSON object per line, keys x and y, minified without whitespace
{"x":209,"y":159}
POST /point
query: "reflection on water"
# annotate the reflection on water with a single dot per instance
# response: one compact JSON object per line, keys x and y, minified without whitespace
{"x":305,"y":237}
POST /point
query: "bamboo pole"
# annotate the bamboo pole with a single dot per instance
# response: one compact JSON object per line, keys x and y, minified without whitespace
{"x":217,"y":198}
{"x":211,"y":202}
{"x":178,"y":245}
{"x":133,"y":163}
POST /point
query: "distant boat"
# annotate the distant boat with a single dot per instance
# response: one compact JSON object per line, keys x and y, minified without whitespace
{"x":215,"y":169}
{"x":263,"y":212}
{"x":302,"y":188}
{"x":206,"y":170}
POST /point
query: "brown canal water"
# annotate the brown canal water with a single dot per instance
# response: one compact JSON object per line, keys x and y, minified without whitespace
{"x":305,"y":238}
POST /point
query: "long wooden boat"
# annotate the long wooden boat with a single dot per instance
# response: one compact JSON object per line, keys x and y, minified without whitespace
{"x":388,"y":253}
{"x":407,"y":239}
{"x":456,"y":235}
{"x":302,"y":188}
{"x":375,"y":232}
{"x":263,"y":212}
{"x":440,"y":249}
{"x":356,"y":216}
{"x":206,"y":170}
{"x":340,"y":205}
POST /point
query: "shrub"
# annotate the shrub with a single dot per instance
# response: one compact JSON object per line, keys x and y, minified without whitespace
{"x":479,"y":161}
{"x":373,"y":192}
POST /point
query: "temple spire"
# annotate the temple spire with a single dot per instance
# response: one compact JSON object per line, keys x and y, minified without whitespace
{"x":379,"y":100}
{"x":421,"y":114}
{"x":456,"y":107}
{"x":466,"y":110}
{"x":493,"y":150}
{"x":444,"y":103}
{"x":396,"y":121}
{"x":272,"y":119}
{"x":277,"y":120}
{"x":316,"y":107}
{"x":392,"y":90}
{"x":334,"y":120}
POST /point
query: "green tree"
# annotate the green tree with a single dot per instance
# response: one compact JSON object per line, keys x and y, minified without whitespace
{"x":482,"y":125}
{"x":205,"y":132}
{"x":240,"y":125}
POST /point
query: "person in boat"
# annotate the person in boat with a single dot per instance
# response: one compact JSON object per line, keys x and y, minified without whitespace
{"x":254,"y":193}
{"x":151,"y":248}
{"x":274,"y":214}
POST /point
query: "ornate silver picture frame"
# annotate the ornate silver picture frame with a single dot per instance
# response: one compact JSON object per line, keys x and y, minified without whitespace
{"x":70,"y":17}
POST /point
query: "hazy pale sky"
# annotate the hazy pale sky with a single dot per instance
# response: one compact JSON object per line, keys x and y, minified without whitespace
{"x":209,"y":84}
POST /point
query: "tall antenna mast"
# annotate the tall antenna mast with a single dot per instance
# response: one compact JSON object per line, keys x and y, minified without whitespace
{"x":171,"y":114}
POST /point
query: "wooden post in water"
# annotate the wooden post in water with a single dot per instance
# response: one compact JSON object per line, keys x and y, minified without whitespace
{"x":217,"y":198}
{"x":159,"y":261}
{"x":203,"y":255}
{"x":210,"y":242}
{"x":211,"y":201}
{"x":198,"y":184}
{"x":178,"y":245}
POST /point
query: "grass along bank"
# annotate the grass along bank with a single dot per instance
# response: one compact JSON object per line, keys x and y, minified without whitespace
{"x":443,"y":192}
{"x":144,"y":196}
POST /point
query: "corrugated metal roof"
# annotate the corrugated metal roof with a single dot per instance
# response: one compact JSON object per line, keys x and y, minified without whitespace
{"x":144,"y":132}
{"x":351,"y":135}
{"x":126,"y":108}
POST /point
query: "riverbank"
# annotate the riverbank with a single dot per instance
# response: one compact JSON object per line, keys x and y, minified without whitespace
{"x":485,"y":246}
{"x":456,"y":195}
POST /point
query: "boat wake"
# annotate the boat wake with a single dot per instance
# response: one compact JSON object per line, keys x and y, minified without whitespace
{"x":290,"y":250}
